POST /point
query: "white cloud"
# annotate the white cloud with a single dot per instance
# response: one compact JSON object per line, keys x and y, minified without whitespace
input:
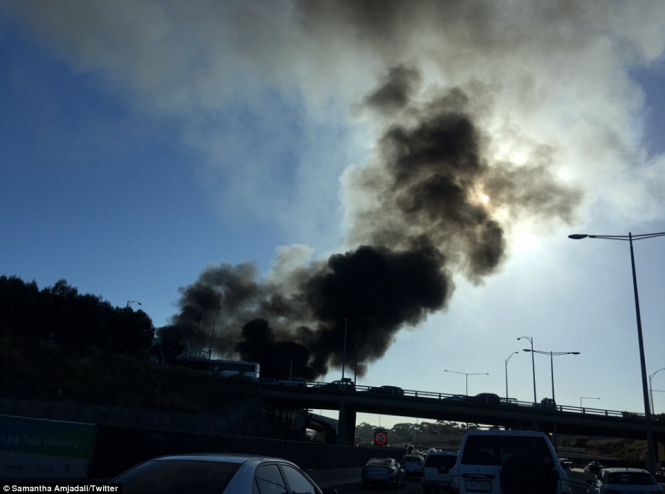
{"x":291,"y":72}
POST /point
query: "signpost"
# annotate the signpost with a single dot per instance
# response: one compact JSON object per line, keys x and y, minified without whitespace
{"x":380,"y":437}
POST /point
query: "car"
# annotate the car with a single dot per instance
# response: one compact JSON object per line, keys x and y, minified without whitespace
{"x":383,"y":471}
{"x":341,"y":384}
{"x":413,"y":465}
{"x":660,"y":474}
{"x":268,"y":381}
{"x":491,"y":398}
{"x":293,"y":382}
{"x":217,"y":473}
{"x":437,"y":472}
{"x":593,"y":467}
{"x":456,"y":398}
{"x":388,"y":390}
{"x":506,"y":462}
{"x":623,"y":480}
{"x":547,"y":403}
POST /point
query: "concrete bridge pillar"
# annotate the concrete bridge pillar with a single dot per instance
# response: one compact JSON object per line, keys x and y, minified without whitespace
{"x":346,"y":426}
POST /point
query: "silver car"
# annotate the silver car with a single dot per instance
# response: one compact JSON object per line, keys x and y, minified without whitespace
{"x":437,"y":475}
{"x":383,"y":471}
{"x":413,"y":465}
{"x":623,"y":480}
{"x":217,"y":474}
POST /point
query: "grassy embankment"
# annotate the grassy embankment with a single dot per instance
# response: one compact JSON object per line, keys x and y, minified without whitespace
{"x":39,"y":371}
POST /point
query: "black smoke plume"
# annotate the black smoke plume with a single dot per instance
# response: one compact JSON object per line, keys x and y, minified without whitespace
{"x":428,"y":203}
{"x":368,"y":293}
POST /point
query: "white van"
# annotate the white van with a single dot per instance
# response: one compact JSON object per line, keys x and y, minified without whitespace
{"x":508,"y":462}
{"x":437,"y":472}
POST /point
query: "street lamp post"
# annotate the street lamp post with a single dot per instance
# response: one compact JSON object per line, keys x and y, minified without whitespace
{"x":651,"y":451}
{"x":212,"y":341}
{"x":554,"y":405}
{"x":290,"y":367}
{"x":509,"y":356}
{"x":586,"y":398}
{"x":533,"y":367}
{"x":344,"y":350}
{"x":466,"y":376}
{"x":355,"y":371}
{"x":651,"y":388}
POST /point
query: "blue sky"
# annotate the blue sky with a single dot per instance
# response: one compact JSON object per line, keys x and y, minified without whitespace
{"x":143,"y":142}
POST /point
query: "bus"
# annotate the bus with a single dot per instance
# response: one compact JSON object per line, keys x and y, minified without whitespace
{"x":223,"y":368}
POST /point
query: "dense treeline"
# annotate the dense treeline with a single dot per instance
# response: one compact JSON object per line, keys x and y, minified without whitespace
{"x":61,"y":316}
{"x":58,"y":344}
{"x":407,"y":433}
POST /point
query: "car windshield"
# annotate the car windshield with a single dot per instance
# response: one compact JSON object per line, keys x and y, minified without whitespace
{"x":494,"y":450}
{"x":446,"y":461}
{"x":630,"y":478}
{"x":178,"y":477}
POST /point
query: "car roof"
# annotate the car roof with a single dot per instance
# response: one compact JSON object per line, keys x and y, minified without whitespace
{"x":625,"y":470}
{"x":222,"y":457}
{"x":506,"y":433}
{"x":380,"y":460}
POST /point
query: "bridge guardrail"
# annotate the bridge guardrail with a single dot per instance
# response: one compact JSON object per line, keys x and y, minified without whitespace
{"x":504,"y":402}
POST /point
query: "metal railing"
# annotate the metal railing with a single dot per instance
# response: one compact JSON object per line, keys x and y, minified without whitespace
{"x":458,"y":398}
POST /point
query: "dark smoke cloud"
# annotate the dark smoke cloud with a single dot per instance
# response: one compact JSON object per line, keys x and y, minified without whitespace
{"x":368,"y":293}
{"x":422,"y":212}
{"x":432,"y":179}
{"x":397,"y":90}
{"x":278,"y":358}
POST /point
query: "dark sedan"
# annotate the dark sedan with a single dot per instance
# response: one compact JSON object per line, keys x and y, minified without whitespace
{"x":490,"y":398}
{"x":387,"y":390}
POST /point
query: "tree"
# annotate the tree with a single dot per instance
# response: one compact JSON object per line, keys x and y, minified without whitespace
{"x":365,"y":432}
{"x":19,"y":306}
{"x":403,"y":433}
{"x":61,"y":315}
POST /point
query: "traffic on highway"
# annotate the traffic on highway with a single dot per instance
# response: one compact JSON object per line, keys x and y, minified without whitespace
{"x":347,"y":385}
{"x":235,"y":473}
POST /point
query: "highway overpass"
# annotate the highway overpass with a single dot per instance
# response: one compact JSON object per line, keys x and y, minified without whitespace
{"x":440,"y":406}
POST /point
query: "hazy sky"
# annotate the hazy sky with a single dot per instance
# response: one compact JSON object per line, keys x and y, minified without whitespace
{"x":156,"y":151}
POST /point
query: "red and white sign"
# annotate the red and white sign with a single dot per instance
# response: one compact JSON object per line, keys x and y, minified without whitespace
{"x":381,"y":438}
